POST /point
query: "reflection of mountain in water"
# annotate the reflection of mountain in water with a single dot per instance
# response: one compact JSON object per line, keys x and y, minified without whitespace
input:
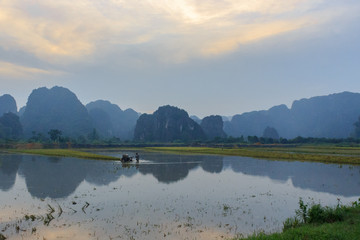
{"x":172,"y":168}
{"x":59,"y":177}
{"x":318,"y":177}
{"x":56,"y":177}
{"x":9,"y":165}
{"x":51,"y":176}
{"x":212,"y":164}
{"x":103,"y":173}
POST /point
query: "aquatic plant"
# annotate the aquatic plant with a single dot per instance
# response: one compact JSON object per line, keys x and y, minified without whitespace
{"x":60,"y":211}
{"x":226,"y":207}
{"x":85,"y":206}
{"x":302,"y":212}
{"x":30,"y":217}
{"x":48,"y":219}
{"x":51,"y":209}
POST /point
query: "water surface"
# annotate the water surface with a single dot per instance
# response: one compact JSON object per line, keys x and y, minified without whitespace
{"x":164,"y":196}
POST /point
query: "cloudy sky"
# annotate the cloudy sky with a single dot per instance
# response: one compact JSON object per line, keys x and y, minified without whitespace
{"x":205,"y":56}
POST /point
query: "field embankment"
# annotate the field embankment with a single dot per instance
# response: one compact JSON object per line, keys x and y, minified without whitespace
{"x":325,"y":154}
{"x":64,"y":153}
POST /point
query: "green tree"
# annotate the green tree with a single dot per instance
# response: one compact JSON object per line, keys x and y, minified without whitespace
{"x":37,"y":137}
{"x":55,"y":135}
{"x":253,"y":139}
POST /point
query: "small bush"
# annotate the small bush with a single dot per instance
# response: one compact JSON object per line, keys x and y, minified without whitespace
{"x":291,"y":223}
{"x":302,"y":212}
{"x":356,"y":203}
{"x":319,"y":214}
{"x":316,"y":214}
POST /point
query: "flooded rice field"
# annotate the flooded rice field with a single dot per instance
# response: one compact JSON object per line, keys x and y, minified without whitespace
{"x":162,"y":197}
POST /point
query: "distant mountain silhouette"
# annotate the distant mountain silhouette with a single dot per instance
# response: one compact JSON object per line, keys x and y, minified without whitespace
{"x":167,"y":124}
{"x":110,"y":120}
{"x":357,"y":129}
{"x":102,"y":122}
{"x":55,"y":108}
{"x":226,"y":118}
{"x":270,"y":132}
{"x":213,"y":126}
{"x":196,"y":119}
{"x":21,"y":111}
{"x":331,"y":116}
{"x":7,"y":104}
{"x":10,"y":126}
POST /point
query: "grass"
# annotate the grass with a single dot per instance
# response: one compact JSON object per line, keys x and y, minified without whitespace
{"x":322,"y":223}
{"x":326,"y":154}
{"x":64,"y":153}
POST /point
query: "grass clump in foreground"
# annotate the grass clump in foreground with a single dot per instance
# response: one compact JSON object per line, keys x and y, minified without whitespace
{"x":318,"y":223}
{"x":65,"y":153}
{"x":336,"y":155}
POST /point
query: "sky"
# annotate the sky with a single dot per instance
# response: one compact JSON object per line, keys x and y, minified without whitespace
{"x":208,"y":57}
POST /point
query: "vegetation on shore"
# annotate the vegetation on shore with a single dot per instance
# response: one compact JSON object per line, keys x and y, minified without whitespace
{"x":318,"y":222}
{"x":326,"y":154}
{"x":311,"y":153}
{"x":64,"y":153}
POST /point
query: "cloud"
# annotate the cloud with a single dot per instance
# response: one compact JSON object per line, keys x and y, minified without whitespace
{"x":68,"y":31}
{"x":41,"y":35}
{"x":10,"y":70}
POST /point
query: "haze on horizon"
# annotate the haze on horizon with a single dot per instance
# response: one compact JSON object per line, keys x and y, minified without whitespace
{"x":207,"y":57}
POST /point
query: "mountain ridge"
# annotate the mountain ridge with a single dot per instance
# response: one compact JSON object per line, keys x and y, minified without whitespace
{"x":330,"y":116}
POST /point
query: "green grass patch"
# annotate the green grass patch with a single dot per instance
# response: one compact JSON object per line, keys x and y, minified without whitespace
{"x":326,"y":155}
{"x":318,"y":223}
{"x":344,"y":151}
{"x":64,"y":153}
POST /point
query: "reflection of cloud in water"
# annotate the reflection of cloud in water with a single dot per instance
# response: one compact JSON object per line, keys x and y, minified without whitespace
{"x":7,"y":215}
{"x":9,"y":165}
{"x":52,"y":233}
{"x":74,"y":232}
